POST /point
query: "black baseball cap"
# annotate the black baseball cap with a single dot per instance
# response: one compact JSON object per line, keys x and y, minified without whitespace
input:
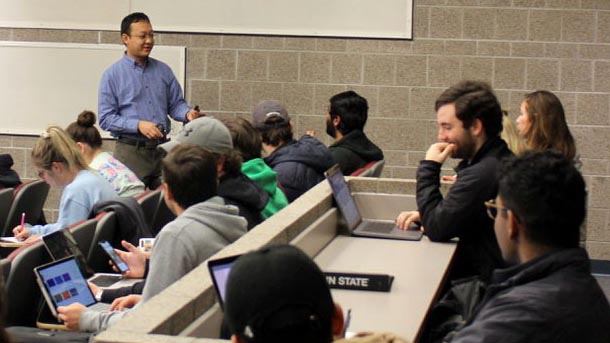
{"x":277,"y":293}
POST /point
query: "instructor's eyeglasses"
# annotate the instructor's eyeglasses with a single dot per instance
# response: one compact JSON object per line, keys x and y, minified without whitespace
{"x":144,"y":36}
{"x":492,"y":209}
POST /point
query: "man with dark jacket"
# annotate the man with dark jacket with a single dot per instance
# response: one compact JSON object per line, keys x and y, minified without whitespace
{"x":547,"y":294}
{"x":299,"y":164}
{"x":469,"y":125}
{"x":352,"y":149}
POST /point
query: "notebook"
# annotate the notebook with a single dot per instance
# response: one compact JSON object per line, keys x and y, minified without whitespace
{"x":219,"y":272}
{"x":61,"y":244}
{"x":62,"y":283}
{"x":355,"y":224}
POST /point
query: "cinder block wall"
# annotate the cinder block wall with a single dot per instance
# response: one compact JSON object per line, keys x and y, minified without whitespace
{"x":516,"y":45}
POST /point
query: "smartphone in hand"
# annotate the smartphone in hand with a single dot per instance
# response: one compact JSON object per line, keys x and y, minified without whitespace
{"x":120,"y":264}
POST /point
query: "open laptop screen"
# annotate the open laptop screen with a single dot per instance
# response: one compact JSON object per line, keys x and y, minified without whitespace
{"x":343,"y":197}
{"x":64,"y":283}
{"x":219,"y":271}
{"x":61,"y":244}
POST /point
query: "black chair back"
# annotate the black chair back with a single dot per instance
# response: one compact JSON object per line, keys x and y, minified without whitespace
{"x":6,"y":200}
{"x":29,"y":198}
{"x":149,"y":201}
{"x":105,"y":230}
{"x":83,"y":233}
{"x":22,"y":290}
{"x":162,"y":217}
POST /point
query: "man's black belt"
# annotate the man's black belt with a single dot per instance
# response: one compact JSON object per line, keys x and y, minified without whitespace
{"x":146,"y":144}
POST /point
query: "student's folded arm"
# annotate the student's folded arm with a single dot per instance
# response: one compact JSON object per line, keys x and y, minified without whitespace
{"x":446,"y":218}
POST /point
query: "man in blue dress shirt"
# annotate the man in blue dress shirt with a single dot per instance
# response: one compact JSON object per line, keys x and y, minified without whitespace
{"x":137,"y":93}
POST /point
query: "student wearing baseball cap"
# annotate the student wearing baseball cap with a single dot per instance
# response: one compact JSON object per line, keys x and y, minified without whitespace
{"x":278,"y":294}
{"x":235,"y":187}
{"x":299,"y":164}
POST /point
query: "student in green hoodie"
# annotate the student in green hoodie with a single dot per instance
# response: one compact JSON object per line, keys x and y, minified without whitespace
{"x":247,"y":142}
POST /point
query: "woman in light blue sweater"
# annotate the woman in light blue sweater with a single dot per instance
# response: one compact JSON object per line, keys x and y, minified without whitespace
{"x":60,"y":163}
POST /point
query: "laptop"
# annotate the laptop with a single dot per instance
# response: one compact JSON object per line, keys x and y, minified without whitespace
{"x":61,"y":244}
{"x":62,"y":283}
{"x":355,"y":224}
{"x":219,"y":272}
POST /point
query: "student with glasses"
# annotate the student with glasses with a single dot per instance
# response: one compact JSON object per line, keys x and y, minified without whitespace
{"x":136,"y":96}
{"x":547,"y":292}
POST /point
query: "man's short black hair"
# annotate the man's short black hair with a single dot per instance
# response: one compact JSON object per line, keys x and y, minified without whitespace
{"x":474,"y":100}
{"x":547,"y":194}
{"x":132,"y":18}
{"x":351,"y":108}
{"x":190,"y":174}
{"x":276,"y":132}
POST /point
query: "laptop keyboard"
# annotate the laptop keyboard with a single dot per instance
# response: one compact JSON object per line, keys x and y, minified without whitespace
{"x":105,"y":280}
{"x":378,"y":227}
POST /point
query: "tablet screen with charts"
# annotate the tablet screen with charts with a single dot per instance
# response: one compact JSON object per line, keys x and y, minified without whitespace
{"x":63,"y":283}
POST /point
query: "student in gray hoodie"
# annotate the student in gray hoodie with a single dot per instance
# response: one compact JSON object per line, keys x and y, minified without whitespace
{"x":204,"y":225}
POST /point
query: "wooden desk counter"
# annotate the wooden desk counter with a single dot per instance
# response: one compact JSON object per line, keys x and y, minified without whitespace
{"x":418,"y":269}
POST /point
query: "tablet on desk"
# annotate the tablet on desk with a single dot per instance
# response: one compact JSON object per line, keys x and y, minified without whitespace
{"x":62,"y":283}
{"x":61,"y":244}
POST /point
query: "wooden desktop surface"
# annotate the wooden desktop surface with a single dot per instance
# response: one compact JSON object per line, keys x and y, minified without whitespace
{"x":418,"y":268}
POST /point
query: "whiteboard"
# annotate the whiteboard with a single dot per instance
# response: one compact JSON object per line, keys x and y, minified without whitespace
{"x":64,"y":14}
{"x":45,"y":84}
{"x":335,"y":18}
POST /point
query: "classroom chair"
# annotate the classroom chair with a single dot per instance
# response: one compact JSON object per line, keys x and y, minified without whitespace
{"x":22,"y":291}
{"x":162,"y":216}
{"x":149,"y":201}
{"x":371,"y":169}
{"x":83,"y":233}
{"x":5,"y":268}
{"x":28,"y":198}
{"x":377,"y":168}
{"x":105,"y":230}
{"x":6,"y":200}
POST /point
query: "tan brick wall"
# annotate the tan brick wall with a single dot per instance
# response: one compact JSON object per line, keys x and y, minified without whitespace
{"x":517,"y":46}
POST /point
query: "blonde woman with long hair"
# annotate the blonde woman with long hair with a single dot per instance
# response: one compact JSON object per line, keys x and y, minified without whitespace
{"x":510,"y":134}
{"x":60,"y":163}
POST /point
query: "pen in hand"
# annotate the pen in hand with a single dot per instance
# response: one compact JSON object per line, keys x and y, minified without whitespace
{"x":19,"y":229}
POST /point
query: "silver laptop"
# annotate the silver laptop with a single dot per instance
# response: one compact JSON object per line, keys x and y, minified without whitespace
{"x":63,"y":283}
{"x":355,"y":224}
